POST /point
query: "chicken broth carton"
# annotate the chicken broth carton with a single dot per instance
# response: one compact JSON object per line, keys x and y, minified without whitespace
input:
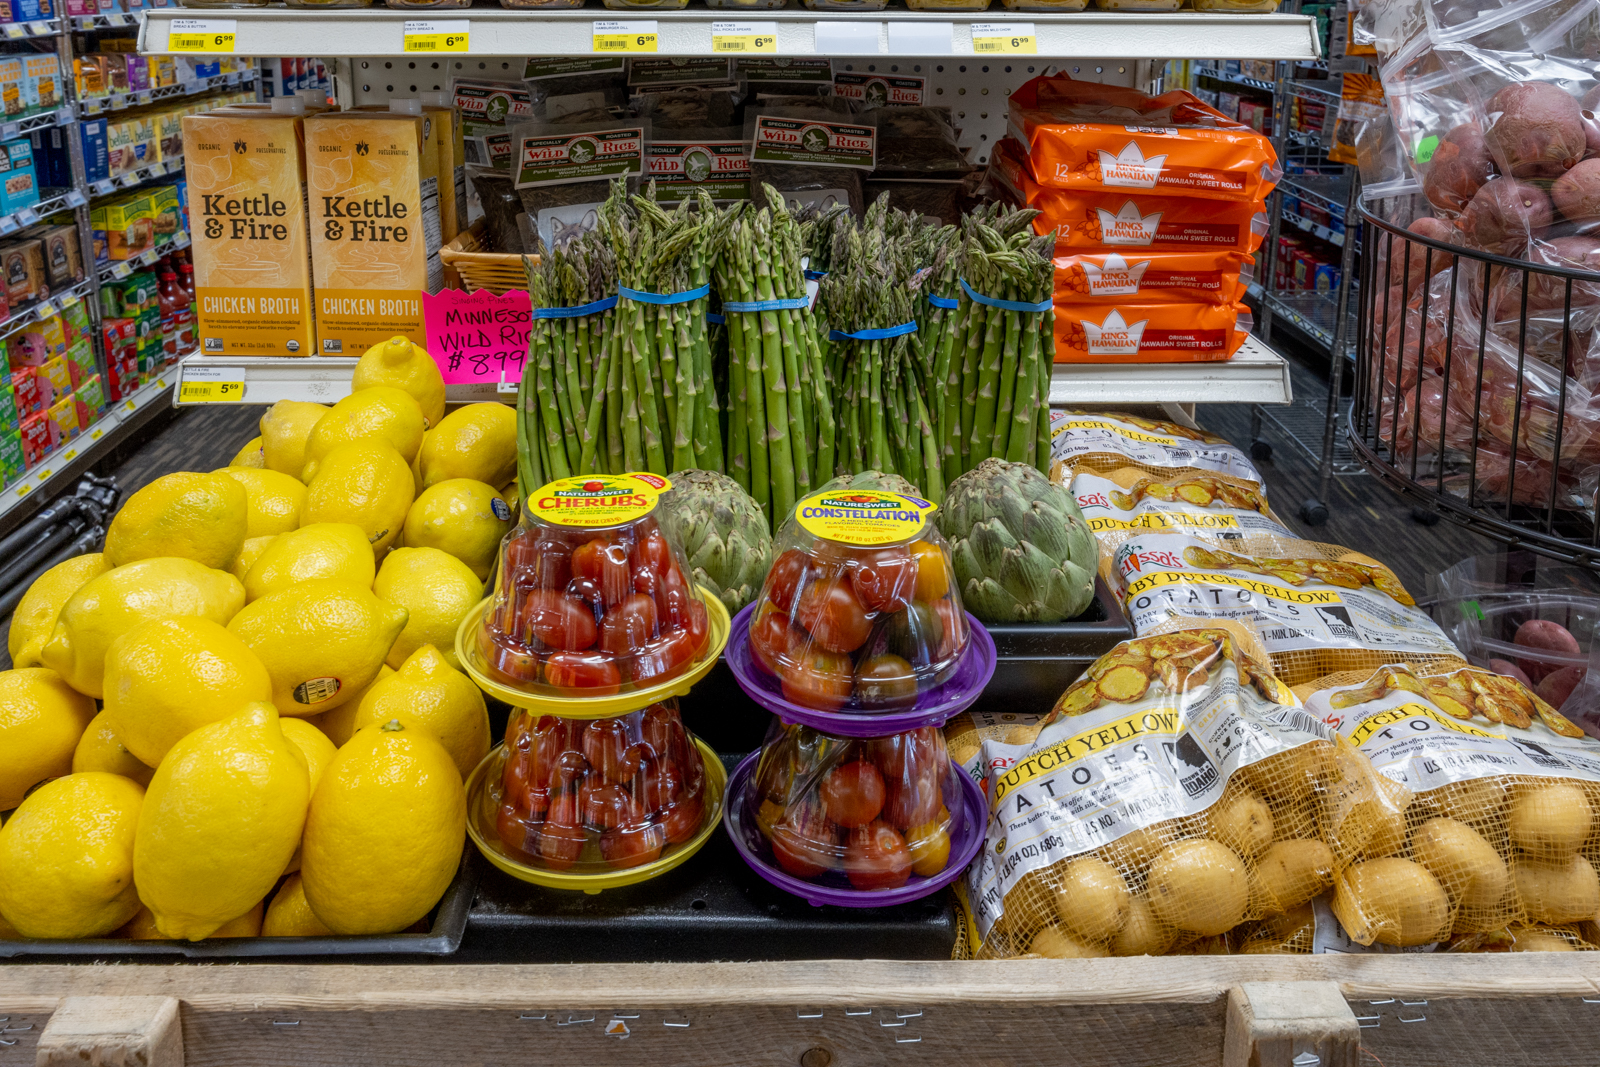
{"x":252,"y":265}
{"x":375,"y":226}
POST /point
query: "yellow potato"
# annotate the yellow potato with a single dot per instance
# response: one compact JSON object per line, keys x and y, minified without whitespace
{"x":1242,"y":821}
{"x":1143,"y":934}
{"x":1051,"y":942}
{"x":1292,"y":872}
{"x":1474,"y":803}
{"x":962,"y":751}
{"x":1132,"y":853}
{"x":1549,"y":822}
{"x":1022,"y":735}
{"x":1564,"y":892}
{"x":1468,"y":867}
{"x":1380,"y":827}
{"x":1200,"y":886}
{"x":1392,"y":902}
{"x":1539,"y":941}
{"x":1291,"y":777}
{"x":1092,"y":902}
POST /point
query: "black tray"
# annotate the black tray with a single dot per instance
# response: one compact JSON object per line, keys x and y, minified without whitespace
{"x":714,"y":907}
{"x":1036,"y":662}
{"x":448,"y":925}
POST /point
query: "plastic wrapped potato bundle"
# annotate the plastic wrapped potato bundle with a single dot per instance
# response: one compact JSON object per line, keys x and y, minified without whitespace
{"x":1175,"y":792}
{"x":1215,"y":507}
{"x":1493,"y":796}
{"x":1318,"y":609}
{"x":1107,"y":441}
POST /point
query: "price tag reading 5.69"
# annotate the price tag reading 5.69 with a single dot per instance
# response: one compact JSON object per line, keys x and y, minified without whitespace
{"x":997,"y":38}
{"x":211,"y":385}
{"x":745,"y":37}
{"x":447,"y":35}
{"x":634,"y":35}
{"x":206,"y":36}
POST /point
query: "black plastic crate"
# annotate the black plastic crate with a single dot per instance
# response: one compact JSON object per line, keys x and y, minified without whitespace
{"x":1036,"y":662}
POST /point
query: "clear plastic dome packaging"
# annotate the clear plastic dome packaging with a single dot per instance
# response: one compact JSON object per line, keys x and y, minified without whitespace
{"x":591,"y":796}
{"x":867,"y":815}
{"x":861,"y":611}
{"x":592,"y":597}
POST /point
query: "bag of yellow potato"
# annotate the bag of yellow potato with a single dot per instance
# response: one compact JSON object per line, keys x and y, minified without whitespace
{"x":1106,"y":440}
{"x":1492,"y":795}
{"x":1318,"y":609}
{"x":1174,"y":792}
{"x":1218,"y":508}
{"x":965,"y":734}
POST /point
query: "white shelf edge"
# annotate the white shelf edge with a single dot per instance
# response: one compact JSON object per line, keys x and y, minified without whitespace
{"x":367,"y":32}
{"x":1255,"y":375}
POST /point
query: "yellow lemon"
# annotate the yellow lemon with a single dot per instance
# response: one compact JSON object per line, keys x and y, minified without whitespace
{"x":428,"y":692}
{"x":142,"y":927}
{"x":167,"y":678}
{"x":321,"y":640}
{"x":100,"y":749}
{"x":320,"y":550}
{"x":477,"y":441}
{"x":340,"y":723}
{"x":223,"y":815}
{"x":366,"y":483}
{"x":378,"y":413}
{"x":290,"y":916}
{"x":404,"y":365}
{"x":197,"y":516}
{"x":251,"y":455}
{"x":272,"y":500}
{"x":284,"y":430}
{"x":318,"y":752}
{"x":41,"y":720}
{"x":113,"y":603}
{"x":463,"y":517}
{"x":384,"y":834}
{"x":7,"y":931}
{"x":249,"y":552}
{"x":437,"y":589}
{"x":66,"y":857}
{"x":35,"y":618}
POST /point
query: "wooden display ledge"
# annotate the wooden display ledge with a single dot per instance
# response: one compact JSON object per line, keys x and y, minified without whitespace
{"x":1323,"y":1011}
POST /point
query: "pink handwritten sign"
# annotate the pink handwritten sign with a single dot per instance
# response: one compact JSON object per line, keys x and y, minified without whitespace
{"x":478,"y":337}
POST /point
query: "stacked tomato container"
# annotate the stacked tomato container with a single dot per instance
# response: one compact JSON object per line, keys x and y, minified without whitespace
{"x":860,"y":648}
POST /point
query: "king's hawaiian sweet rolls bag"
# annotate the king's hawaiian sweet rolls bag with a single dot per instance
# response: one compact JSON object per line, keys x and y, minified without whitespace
{"x":1135,"y":276}
{"x":1149,"y":333}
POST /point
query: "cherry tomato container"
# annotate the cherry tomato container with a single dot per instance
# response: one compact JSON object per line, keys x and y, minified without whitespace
{"x":592,"y":804}
{"x":859,"y":627}
{"x":857,"y":822}
{"x":592,"y":614}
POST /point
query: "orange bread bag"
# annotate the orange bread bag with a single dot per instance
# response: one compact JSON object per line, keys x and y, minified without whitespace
{"x":1152,"y":277}
{"x":1149,"y":333}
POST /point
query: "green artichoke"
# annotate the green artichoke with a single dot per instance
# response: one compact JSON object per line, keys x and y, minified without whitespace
{"x":723,"y":534}
{"x":1021,"y":549}
{"x":886,"y":483}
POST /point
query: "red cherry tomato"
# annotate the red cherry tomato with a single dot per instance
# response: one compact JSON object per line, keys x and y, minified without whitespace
{"x":816,"y":679}
{"x":563,"y":836}
{"x":912,"y":803}
{"x":672,"y":596}
{"x":885,"y":681}
{"x":519,"y":836}
{"x":559,"y":621}
{"x":507,"y":657}
{"x":533,"y":562}
{"x":651,"y":553}
{"x":658,"y":785}
{"x":633,"y":846}
{"x":955,"y":628}
{"x":550,"y":737}
{"x":629,"y":626}
{"x":834,"y":615}
{"x":852,"y":793}
{"x":771,"y":638}
{"x":784,"y":579}
{"x":910,"y":754}
{"x":883,"y":578}
{"x":877,"y":858}
{"x":698,"y":624}
{"x":663,"y":658}
{"x":605,"y":564}
{"x":646,"y":582}
{"x":662,"y":731}
{"x":593,"y":672}
{"x":605,"y":746}
{"x":569,"y":772}
{"x":805,"y":852}
{"x":682,"y":820}
{"x":607,"y":806}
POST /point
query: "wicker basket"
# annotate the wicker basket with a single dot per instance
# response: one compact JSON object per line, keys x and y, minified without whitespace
{"x":494,"y":271}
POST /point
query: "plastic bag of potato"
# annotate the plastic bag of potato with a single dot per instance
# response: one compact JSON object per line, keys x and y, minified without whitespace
{"x":1492,"y":797}
{"x":1107,"y":440}
{"x":1319,"y":609}
{"x":1175,"y":791}
{"x":1214,"y":507}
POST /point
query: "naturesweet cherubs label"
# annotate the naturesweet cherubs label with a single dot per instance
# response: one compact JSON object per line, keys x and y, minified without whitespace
{"x":779,"y":139}
{"x":865,"y":517}
{"x":596,"y":500}
{"x":1151,"y":442}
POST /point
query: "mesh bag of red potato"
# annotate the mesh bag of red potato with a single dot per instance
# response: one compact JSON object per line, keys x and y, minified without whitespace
{"x":1149,"y":333}
{"x":1087,"y":136}
{"x":1176,"y":791}
{"x":1152,"y":277}
{"x":1491,"y":799}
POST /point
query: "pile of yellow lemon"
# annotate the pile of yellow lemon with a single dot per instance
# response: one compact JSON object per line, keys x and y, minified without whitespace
{"x":283,"y":727}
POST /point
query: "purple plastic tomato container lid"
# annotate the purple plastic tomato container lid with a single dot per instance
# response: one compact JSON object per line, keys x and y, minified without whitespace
{"x":969,"y":820}
{"x":934,"y":707}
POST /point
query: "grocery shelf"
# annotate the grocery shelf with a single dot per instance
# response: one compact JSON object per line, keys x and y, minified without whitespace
{"x":22,"y":31}
{"x":57,"y":200}
{"x":495,"y":32}
{"x":110,"y":20}
{"x":264,"y":379}
{"x":1259,"y":84}
{"x":1328,"y":190}
{"x":61,"y":116}
{"x":1255,"y":375}
{"x":43,"y":309}
{"x":97,"y":105}
{"x":1310,"y":312}
{"x":1316,"y":90}
{"x":78,"y":455}
{"x":107,"y":186}
{"x":122,"y":268}
{"x":1315,"y":229}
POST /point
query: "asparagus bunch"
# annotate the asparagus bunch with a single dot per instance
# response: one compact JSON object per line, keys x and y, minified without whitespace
{"x":780,"y":421}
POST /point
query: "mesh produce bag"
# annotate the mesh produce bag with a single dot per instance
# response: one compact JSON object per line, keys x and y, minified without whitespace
{"x":1492,"y":794}
{"x":1108,"y":441}
{"x":1176,"y":791}
{"x":1213,"y":507}
{"x":1318,"y":608}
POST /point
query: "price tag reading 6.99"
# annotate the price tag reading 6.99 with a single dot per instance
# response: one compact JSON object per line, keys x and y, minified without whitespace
{"x":206,"y":36}
{"x":998,"y":38}
{"x":448,"y":35}
{"x":633,"y":35}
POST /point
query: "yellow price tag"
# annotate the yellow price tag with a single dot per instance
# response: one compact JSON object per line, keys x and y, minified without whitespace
{"x":748,"y":38}
{"x":205,"y":36}
{"x":23,"y":490}
{"x":1004,"y":38}
{"x":69,"y":456}
{"x":192,"y":392}
{"x":631,"y":36}
{"x":450,"y":35}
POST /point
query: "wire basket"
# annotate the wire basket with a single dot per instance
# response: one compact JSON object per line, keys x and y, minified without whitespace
{"x":480,"y":269}
{"x":1477,"y":388}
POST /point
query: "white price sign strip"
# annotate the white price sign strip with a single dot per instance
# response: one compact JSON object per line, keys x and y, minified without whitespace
{"x":1000,"y":38}
{"x":848,"y":38}
{"x":744,"y":37}
{"x":617,"y":35}
{"x":205,"y":36}
{"x":436,"y":35}
{"x":922,"y":38}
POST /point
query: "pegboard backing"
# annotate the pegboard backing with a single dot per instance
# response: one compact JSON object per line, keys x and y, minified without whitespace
{"x":974,"y":90}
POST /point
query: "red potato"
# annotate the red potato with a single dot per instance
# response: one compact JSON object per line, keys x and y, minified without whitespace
{"x":1540,"y":132}
{"x":1591,"y":120}
{"x":1542,"y":634}
{"x":1460,"y":165}
{"x":1576,"y":194}
{"x":1558,"y":685}
{"x":1510,"y":670}
{"x":1504,"y":215}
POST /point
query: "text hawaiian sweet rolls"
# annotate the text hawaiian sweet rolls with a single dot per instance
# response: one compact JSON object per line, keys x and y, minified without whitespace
{"x":247,"y":202}
{"x":374,"y":189}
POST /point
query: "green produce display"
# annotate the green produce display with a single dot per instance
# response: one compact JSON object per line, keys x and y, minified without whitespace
{"x":723,"y":534}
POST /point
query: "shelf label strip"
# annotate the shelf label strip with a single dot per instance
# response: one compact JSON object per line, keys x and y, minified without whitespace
{"x":745,"y":37}
{"x":437,"y":35}
{"x":211,"y":385}
{"x":616,"y":35}
{"x":206,"y":36}
{"x":1004,"y":38}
